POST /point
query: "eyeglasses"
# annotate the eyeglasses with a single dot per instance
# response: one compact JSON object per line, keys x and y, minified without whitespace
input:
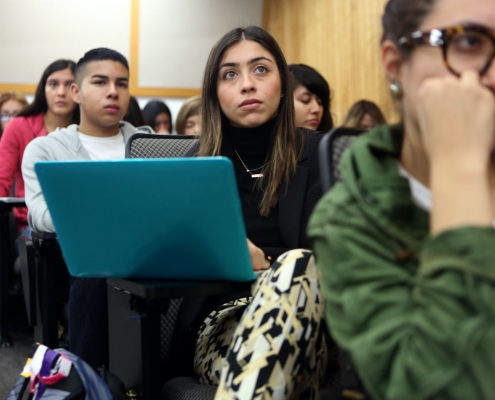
{"x":463,"y":48}
{"x":6,"y":117}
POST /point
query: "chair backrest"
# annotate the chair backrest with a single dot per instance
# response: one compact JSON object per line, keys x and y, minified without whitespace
{"x":143,"y":145}
{"x":331,"y":149}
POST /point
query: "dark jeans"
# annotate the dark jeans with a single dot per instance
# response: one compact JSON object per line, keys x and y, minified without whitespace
{"x":88,"y":320}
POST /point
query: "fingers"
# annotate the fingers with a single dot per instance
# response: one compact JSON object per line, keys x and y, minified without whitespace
{"x":470,"y":78}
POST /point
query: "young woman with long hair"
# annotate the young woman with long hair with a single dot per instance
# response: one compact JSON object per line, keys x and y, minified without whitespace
{"x":52,"y":108}
{"x":270,"y":337}
{"x":311,"y":98}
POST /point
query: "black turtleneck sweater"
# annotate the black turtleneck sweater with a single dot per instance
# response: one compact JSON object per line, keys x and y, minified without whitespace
{"x":253,"y":146}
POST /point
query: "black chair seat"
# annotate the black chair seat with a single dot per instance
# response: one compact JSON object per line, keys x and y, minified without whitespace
{"x":186,"y":388}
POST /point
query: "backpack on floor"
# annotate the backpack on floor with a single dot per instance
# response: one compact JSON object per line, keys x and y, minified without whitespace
{"x":60,"y":375}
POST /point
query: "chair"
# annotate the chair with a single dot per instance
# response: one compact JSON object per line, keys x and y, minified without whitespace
{"x":331,"y":149}
{"x":45,"y":281}
{"x":169,"y":146}
{"x":144,"y":145}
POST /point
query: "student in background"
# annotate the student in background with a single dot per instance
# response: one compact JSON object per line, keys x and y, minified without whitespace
{"x":157,"y":115}
{"x":405,"y":242}
{"x":268,"y":339}
{"x":365,"y":115}
{"x":187,"y":122}
{"x":311,"y":98}
{"x":134,"y":114}
{"x":11,"y":104}
{"x":101,"y":89}
{"x":52,"y":108}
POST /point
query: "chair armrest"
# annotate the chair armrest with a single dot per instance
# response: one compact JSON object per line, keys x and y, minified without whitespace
{"x":8,"y":203}
{"x":44,"y":235}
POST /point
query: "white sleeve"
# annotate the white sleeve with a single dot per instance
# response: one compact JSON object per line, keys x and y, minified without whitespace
{"x":38,"y":216}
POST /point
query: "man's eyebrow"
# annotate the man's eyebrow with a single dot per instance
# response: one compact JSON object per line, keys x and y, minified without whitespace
{"x":123,"y":79}
{"x":99,"y":76}
{"x":252,"y":61}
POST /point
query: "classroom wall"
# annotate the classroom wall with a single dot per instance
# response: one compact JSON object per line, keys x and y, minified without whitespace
{"x":167,"y":42}
{"x":340,"y":38}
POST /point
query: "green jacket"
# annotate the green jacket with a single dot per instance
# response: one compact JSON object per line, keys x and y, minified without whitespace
{"x":416,"y":312}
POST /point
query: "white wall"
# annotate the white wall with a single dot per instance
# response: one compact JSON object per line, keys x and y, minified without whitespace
{"x":174,"y":37}
{"x":34,"y":33}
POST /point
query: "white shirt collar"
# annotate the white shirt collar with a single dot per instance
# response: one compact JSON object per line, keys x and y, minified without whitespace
{"x":421,"y":195}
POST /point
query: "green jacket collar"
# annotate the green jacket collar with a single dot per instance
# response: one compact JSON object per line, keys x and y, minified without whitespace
{"x":370,"y":172}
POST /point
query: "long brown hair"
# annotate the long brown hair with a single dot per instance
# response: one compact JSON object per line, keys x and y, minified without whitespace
{"x":288,"y":142}
{"x":39,"y":104}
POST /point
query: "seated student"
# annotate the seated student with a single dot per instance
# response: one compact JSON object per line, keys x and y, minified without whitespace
{"x":52,"y":107}
{"x":270,"y":340}
{"x":406,"y":242}
{"x":157,"y":115}
{"x":187,"y":122}
{"x":365,"y":115}
{"x":101,"y":89}
{"x":11,"y":104}
{"x":311,"y":98}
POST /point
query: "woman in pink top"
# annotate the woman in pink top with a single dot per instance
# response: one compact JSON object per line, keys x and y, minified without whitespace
{"x":52,"y":108}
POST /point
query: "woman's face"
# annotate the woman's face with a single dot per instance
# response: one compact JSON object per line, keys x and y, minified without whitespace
{"x":192,"y":125}
{"x":427,"y":62}
{"x":57,"y":92}
{"x":9,"y":110}
{"x":367,"y":122}
{"x":162,"y":123}
{"x":307,"y":108}
{"x":248,"y":85}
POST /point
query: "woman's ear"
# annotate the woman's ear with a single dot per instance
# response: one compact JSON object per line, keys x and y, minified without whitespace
{"x":391,"y":61}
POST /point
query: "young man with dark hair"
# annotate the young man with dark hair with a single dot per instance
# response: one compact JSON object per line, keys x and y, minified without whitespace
{"x":101,"y":89}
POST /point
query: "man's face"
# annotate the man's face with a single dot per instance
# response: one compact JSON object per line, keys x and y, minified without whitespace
{"x":102,"y":93}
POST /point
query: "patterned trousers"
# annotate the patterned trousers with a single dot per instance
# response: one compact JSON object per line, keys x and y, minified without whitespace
{"x":272,"y":345}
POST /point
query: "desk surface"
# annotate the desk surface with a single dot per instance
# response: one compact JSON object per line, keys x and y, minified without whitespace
{"x":174,"y":289}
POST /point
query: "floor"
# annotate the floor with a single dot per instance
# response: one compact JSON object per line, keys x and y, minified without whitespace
{"x":12,"y":360}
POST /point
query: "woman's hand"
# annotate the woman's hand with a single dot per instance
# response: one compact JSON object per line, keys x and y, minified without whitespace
{"x":457,"y":122}
{"x":457,"y":119}
{"x":257,"y":257}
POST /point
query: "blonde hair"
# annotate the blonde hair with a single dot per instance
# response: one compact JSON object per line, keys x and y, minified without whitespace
{"x":191,"y":107}
{"x":12,"y":95}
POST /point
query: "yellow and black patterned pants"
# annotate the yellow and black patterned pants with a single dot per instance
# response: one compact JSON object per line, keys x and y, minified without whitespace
{"x":271,"y":345}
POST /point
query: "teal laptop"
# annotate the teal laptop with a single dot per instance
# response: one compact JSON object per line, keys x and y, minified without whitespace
{"x":177,"y":219}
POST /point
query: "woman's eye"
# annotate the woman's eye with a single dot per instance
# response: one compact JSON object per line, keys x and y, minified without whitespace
{"x":52,"y":85}
{"x":470,"y":42}
{"x":229,"y":75}
{"x":260,"y":69}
